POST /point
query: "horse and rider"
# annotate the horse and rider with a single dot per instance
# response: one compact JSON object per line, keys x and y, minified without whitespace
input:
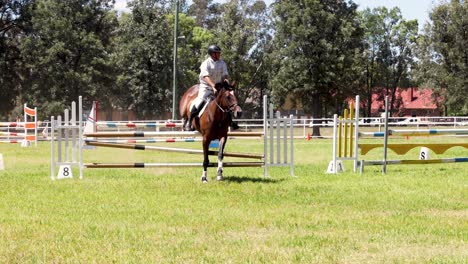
{"x":215,"y":96}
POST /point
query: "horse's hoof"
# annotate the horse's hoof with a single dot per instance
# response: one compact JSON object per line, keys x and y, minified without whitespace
{"x":204,"y":180}
{"x":220,"y":178}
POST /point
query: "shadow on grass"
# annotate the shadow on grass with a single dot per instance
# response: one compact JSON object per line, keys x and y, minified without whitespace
{"x":251,"y":179}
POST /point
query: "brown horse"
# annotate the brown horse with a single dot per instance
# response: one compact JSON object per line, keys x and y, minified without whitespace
{"x":214,"y":122}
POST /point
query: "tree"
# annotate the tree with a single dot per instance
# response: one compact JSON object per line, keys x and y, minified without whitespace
{"x":316,"y":47}
{"x":443,"y":55}
{"x":193,"y":41}
{"x":390,"y":41}
{"x":67,"y":53}
{"x":14,"y":23}
{"x":144,"y":57}
{"x":205,"y":12}
{"x":242,"y":33}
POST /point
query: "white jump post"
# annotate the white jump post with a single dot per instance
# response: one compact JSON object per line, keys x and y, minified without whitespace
{"x":69,"y":128}
{"x":269,"y":126}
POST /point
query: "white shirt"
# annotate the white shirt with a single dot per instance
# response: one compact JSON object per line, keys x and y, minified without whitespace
{"x":216,"y":70}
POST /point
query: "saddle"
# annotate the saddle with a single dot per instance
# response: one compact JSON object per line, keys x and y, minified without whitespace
{"x":203,"y":104}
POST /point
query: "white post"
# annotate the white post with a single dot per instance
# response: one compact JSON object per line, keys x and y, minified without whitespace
{"x":59,"y":138}
{"x":335,"y":144}
{"x":80,"y":133}
{"x":278,"y":137}
{"x":291,"y":159}
{"x":271,"y":127}
{"x":356,"y":133}
{"x":35,"y":126}
{"x":73,"y":130}
{"x":384,"y":165}
{"x":52,"y":148}
{"x":66,"y":130}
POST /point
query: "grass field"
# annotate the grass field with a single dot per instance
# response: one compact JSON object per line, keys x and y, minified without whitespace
{"x":414,"y":214}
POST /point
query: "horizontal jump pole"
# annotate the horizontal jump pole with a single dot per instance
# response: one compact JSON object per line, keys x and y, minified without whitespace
{"x":172,"y":165}
{"x":421,"y":132}
{"x":138,"y":125}
{"x":165,"y":134}
{"x":166,"y":149}
{"x":401,"y":149}
{"x":429,"y":161}
{"x":155,"y":140}
{"x":11,"y":124}
{"x":12,"y":134}
{"x":10,"y":141}
{"x":143,"y":134}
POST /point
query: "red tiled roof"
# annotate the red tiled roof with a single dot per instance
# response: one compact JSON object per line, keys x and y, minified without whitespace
{"x":412,"y":98}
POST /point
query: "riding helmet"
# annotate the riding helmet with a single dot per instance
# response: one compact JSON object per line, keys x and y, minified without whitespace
{"x":213,"y":48}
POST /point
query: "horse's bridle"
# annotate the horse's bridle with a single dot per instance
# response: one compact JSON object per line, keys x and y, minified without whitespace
{"x":230,"y":108}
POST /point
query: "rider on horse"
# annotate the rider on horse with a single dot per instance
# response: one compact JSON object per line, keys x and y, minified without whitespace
{"x":213,"y":70}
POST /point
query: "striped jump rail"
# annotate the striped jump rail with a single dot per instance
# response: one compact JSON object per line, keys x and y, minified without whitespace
{"x":12,"y":134}
{"x":164,"y":134}
{"x":10,"y":124}
{"x":166,"y":149}
{"x":420,"y":132}
{"x":408,"y":161}
{"x":13,"y":141}
{"x":169,"y":165}
{"x":138,"y":125}
{"x":153,"y":140}
{"x":29,"y":125}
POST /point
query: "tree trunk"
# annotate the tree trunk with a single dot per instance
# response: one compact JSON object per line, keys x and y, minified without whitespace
{"x":316,"y":114}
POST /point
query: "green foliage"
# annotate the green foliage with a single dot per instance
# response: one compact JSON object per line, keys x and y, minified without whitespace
{"x":67,"y":53}
{"x":443,"y":55}
{"x":315,"y":52}
{"x":144,"y":58}
{"x":316,"y":48}
{"x":241,"y":32}
{"x":205,"y":12}
{"x":192,"y":44}
{"x":14,"y":22}
{"x":390,"y":43}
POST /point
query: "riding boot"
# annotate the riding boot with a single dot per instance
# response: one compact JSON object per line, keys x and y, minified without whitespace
{"x":193,"y":114}
{"x":234,"y":125}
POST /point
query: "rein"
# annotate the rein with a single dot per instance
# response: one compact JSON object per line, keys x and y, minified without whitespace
{"x":229,"y":109}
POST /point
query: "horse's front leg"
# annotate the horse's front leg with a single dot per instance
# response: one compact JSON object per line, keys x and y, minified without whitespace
{"x":184,"y":123}
{"x":206,"y":161}
{"x":222,"y":143}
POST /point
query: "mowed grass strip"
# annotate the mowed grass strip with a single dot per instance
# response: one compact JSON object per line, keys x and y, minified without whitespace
{"x":414,"y":213}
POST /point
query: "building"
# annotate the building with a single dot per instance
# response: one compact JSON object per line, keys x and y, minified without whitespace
{"x":408,"y":102}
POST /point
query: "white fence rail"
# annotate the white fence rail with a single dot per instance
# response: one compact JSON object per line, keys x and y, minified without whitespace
{"x":303,"y":126}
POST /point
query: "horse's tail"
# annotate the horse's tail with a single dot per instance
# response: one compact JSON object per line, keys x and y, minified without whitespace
{"x":186,"y":100}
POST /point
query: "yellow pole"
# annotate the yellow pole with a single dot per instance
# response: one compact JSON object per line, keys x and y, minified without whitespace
{"x":339,"y":136}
